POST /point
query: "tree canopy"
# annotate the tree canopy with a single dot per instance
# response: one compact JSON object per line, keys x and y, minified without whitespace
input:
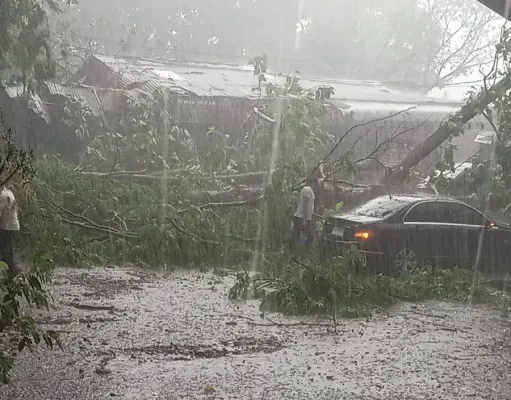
{"x":25,"y":51}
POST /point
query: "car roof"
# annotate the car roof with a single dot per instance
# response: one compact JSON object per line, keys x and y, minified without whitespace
{"x":417,"y":198}
{"x":390,"y":204}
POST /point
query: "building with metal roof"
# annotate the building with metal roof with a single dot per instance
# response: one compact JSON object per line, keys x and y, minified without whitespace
{"x":224,"y":96}
{"x":227,"y":80}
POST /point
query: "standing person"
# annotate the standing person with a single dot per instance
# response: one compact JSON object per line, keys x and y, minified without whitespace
{"x":302,"y":220}
{"x":9,"y":224}
{"x":329,"y":197}
{"x":318,"y":187}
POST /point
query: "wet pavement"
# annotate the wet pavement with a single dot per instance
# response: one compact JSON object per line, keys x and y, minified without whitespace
{"x":132,"y":334}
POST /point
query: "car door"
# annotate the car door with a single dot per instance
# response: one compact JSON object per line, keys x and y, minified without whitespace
{"x":455,"y":243}
{"x":422,"y":229}
{"x":496,"y":250}
{"x":468,"y":234}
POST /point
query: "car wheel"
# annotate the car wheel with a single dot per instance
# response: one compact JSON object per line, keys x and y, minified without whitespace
{"x":405,"y":260}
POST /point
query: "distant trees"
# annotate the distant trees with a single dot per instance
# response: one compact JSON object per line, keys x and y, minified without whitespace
{"x":369,"y":39}
{"x":461,"y":37}
{"x":431,"y":42}
{"x":428,"y":41}
{"x":25,"y":52}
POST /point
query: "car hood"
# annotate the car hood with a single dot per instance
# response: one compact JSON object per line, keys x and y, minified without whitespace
{"x":359,"y":219}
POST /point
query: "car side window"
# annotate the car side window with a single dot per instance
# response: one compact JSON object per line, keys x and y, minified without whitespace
{"x":464,"y":214}
{"x":449,"y":213}
{"x":424,"y":212}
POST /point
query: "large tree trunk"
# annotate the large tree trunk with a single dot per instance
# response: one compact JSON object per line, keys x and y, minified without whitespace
{"x":395,"y":176}
{"x":447,"y":129}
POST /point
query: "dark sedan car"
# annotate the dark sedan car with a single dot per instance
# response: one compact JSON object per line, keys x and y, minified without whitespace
{"x":401,"y":232}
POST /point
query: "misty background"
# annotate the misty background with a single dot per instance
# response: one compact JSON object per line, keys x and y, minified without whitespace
{"x":424,"y":43}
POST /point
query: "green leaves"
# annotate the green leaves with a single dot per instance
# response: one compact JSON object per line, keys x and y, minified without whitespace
{"x":17,"y":169}
{"x":488,"y":174}
{"x":24,"y":43}
{"x":29,"y":287}
{"x":260,"y":64}
{"x":324,"y":93}
{"x":5,"y":367}
{"x":15,"y":163}
{"x":344,"y":285}
{"x":242,"y":288}
{"x":147,"y":138}
{"x":54,"y":5}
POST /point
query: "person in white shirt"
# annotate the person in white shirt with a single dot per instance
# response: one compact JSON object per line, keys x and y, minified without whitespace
{"x":302,"y":221}
{"x":9,"y":224}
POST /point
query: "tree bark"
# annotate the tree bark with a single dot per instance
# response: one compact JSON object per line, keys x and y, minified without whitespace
{"x":447,"y":129}
{"x":394,"y":177}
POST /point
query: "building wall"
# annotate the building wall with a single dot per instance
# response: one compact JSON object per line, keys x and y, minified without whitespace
{"x":226,"y":114}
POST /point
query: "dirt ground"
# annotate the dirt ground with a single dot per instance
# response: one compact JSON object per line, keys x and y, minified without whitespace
{"x":144,"y":335}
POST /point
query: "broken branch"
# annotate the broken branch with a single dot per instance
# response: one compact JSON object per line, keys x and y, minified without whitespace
{"x":264,"y":117}
{"x":445,"y":131}
{"x":90,"y":223}
{"x":341,"y":139}
{"x":274,"y":323}
{"x":100,"y":229}
{"x":222,"y":205}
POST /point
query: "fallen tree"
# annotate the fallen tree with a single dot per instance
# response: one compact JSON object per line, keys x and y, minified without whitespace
{"x":393,"y":178}
{"x":143,"y":177}
{"x":448,"y":129}
{"x":396,"y":175}
{"x":180,"y":207}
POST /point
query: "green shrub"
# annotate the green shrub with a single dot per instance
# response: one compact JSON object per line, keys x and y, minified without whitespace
{"x":344,"y":286}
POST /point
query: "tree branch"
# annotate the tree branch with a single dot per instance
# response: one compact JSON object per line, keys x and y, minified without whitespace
{"x":446,"y":130}
{"x":264,"y":117}
{"x":87,"y":223}
{"x":100,"y":229}
{"x":222,"y":205}
{"x":341,"y":139}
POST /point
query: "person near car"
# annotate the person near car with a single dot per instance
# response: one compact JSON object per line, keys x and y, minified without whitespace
{"x":318,"y":187}
{"x":9,"y":224}
{"x":303,"y":217}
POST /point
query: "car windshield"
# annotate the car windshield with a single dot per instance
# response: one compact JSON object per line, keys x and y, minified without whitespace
{"x":382,"y":206}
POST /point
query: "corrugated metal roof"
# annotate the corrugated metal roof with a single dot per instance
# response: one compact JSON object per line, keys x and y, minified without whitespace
{"x":82,"y":94}
{"x":364,"y":110}
{"x":136,"y":94}
{"x":204,"y":79}
{"x":35,"y":102}
{"x":14,"y":91}
{"x":150,"y":86}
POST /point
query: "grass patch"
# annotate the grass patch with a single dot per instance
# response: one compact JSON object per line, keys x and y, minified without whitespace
{"x":344,"y":287}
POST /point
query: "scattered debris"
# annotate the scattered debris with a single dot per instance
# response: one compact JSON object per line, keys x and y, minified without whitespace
{"x":90,"y":307}
{"x":175,"y":343}
{"x":240,"y":346}
{"x":209,"y":389}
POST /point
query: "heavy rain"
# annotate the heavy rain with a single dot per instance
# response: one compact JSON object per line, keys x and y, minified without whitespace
{"x":255,"y":199}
